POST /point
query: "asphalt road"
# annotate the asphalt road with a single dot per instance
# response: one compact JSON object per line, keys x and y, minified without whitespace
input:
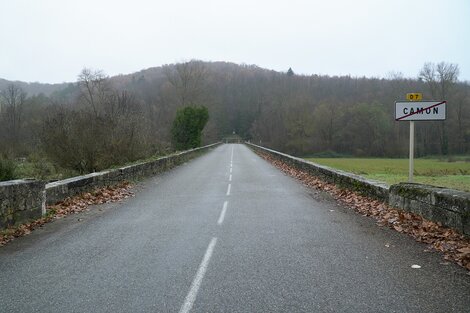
{"x":226,"y":232}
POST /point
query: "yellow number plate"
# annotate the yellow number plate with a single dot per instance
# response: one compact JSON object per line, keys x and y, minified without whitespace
{"x":414,"y":96}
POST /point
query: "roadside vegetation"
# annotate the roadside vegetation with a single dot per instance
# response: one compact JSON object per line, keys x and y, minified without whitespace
{"x":187,"y":127}
{"x":7,"y":169}
{"x":100,"y":122}
{"x":96,"y":124}
{"x":451,"y":173}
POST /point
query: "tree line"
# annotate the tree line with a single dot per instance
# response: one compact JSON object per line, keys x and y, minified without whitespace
{"x":101,"y":121}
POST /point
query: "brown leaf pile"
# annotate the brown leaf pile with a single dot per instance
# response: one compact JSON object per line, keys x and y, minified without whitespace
{"x":453,"y":245}
{"x":71,"y":205}
{"x":99,"y":196}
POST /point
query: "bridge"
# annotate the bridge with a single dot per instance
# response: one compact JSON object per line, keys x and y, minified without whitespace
{"x":225,"y":232}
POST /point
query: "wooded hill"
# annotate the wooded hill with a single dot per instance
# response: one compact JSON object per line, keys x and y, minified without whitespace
{"x":99,"y":121}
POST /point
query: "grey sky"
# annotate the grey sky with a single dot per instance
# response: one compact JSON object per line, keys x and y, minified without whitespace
{"x":52,"y":40}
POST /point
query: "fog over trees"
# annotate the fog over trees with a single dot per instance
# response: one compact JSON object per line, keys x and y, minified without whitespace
{"x":102,"y":121}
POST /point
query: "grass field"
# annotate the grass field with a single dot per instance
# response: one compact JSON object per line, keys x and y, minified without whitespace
{"x":435,"y":172}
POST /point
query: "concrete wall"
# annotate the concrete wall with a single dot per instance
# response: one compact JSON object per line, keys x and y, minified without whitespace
{"x":447,"y":206}
{"x":20,"y":201}
{"x":24,"y":200}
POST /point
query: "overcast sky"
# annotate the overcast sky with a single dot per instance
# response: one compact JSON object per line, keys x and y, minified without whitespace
{"x":52,"y":40}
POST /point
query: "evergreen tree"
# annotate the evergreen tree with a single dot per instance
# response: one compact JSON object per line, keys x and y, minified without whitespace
{"x":188,"y":125}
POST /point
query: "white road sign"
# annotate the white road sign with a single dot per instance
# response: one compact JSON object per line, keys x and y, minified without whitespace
{"x":420,"y":110}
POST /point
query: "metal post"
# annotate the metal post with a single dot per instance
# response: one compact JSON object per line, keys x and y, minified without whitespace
{"x":412,"y":150}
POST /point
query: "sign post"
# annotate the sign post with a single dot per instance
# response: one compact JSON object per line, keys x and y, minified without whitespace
{"x":412,"y":152}
{"x":416,"y":110}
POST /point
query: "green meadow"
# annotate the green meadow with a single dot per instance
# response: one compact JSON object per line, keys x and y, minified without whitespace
{"x":455,"y":174}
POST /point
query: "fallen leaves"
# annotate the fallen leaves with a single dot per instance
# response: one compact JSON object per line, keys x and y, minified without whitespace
{"x":99,"y":196}
{"x":453,"y":245}
{"x":71,"y":205}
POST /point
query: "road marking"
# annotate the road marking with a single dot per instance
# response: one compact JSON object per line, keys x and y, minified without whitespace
{"x":230,"y":177}
{"x":192,"y":294}
{"x":228,"y":189}
{"x":230,"y":170}
{"x":231,"y":157}
{"x":222,"y":214}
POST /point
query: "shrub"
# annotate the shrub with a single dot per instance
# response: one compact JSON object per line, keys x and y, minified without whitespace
{"x":7,"y":169}
{"x":188,"y":125}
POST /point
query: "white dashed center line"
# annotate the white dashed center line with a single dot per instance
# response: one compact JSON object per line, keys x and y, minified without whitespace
{"x":192,"y":294}
{"x":222,"y":214}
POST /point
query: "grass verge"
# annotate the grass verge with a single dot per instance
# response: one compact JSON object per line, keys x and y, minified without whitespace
{"x":455,"y":175}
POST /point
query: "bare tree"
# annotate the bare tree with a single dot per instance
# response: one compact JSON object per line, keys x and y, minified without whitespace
{"x":188,"y":81}
{"x":93,"y":88}
{"x":326,"y":120}
{"x":429,"y":76}
{"x":12,"y":101}
{"x":447,"y":74}
{"x":440,"y":78}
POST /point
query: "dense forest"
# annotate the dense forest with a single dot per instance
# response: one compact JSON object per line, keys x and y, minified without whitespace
{"x":101,"y":121}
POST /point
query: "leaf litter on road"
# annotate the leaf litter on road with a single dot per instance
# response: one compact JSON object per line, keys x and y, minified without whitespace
{"x":71,"y":205}
{"x":454,"y":246}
